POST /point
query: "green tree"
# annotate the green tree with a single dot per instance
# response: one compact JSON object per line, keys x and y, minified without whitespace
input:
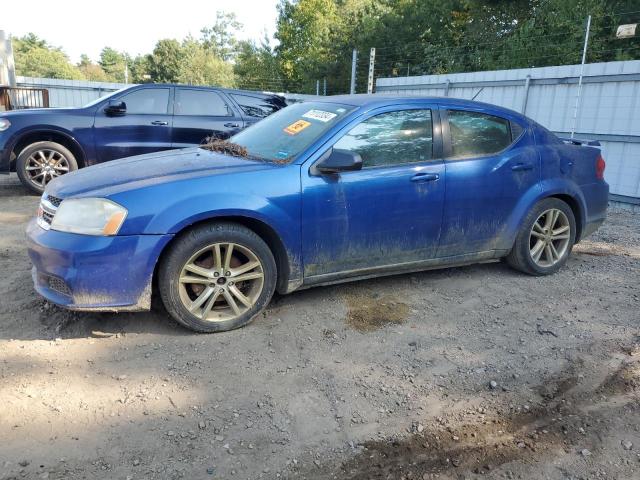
{"x":165,"y":61}
{"x":91,"y":71}
{"x":200,"y":66}
{"x":114,"y":64}
{"x":34,"y":57}
{"x":220,"y":38}
{"x":257,"y":67}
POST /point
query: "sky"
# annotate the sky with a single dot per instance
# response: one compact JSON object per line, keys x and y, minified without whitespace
{"x":133,"y":26}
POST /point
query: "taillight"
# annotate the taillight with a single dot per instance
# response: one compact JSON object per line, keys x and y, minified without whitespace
{"x":600,"y":166}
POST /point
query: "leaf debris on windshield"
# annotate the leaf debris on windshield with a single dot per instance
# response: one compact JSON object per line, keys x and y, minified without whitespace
{"x":229,"y":148}
{"x":225,"y":146}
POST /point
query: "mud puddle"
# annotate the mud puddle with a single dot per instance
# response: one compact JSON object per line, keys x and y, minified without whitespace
{"x":369,"y":313}
{"x":483,"y":442}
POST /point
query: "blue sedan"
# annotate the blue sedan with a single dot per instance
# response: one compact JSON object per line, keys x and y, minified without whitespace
{"x":346,"y":188}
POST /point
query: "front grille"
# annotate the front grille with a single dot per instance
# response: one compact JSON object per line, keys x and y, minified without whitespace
{"x":47,"y":210}
{"x":59,"y":286}
{"x":47,"y":217}
{"x":55,"y":201}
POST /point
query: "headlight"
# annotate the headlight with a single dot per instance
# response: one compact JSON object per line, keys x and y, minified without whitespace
{"x":89,"y":216}
{"x":4,"y":124}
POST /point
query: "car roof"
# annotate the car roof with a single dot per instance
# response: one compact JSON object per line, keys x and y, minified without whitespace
{"x":205,"y":87}
{"x":376,"y":100}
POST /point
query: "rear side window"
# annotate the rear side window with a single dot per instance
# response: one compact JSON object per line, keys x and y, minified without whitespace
{"x":199,"y":103}
{"x":256,"y":106}
{"x":391,"y":138}
{"x":475,"y":134}
{"x":151,"y":101}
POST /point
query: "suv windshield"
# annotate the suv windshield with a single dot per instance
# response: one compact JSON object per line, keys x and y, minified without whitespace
{"x":288,"y":132}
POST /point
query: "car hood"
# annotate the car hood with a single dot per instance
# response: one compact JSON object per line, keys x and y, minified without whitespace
{"x":31,"y":112}
{"x":137,"y":172}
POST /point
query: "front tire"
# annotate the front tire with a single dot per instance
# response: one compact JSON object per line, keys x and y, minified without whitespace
{"x":545,"y":239}
{"x":41,"y":162}
{"x":217,"y":277}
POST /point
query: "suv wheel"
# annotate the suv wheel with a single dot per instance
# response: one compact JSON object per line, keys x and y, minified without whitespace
{"x":41,"y":162}
{"x":217,"y":277}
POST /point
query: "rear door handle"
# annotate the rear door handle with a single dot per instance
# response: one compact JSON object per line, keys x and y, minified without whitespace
{"x":159,"y":122}
{"x":425,"y":177}
{"x":231,"y":125}
{"x":520,"y":167}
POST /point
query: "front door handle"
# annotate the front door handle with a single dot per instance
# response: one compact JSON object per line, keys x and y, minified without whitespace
{"x":231,"y":125}
{"x":520,"y":167}
{"x":159,"y":122}
{"x":425,"y":177}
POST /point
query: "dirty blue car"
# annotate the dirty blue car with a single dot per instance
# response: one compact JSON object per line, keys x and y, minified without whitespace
{"x":321,"y":192}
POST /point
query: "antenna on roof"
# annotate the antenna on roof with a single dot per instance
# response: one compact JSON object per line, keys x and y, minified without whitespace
{"x":477,"y":93}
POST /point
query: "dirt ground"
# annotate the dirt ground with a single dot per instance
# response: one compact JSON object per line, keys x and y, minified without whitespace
{"x":464,"y":373}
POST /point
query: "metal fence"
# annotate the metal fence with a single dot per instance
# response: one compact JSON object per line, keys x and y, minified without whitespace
{"x":609,"y":108}
{"x":76,"y":93}
{"x":70,"y":93}
{"x":17,"y":98}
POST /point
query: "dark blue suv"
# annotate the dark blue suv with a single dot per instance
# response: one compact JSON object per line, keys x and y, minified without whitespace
{"x":41,"y":144}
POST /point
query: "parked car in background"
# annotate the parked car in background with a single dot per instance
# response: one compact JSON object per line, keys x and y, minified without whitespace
{"x":42,"y":144}
{"x":345,"y":188}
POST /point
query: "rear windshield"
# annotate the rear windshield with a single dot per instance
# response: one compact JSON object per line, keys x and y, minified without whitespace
{"x":287,"y":133}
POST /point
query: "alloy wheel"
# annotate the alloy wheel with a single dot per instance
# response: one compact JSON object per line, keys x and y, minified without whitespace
{"x":42,"y":166}
{"x":549,"y":238}
{"x":221,"y":282}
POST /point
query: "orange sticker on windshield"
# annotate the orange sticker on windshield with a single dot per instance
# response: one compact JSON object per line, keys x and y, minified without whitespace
{"x":296,"y":127}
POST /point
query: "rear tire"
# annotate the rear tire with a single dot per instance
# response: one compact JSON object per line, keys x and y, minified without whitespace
{"x":217,"y":277}
{"x":41,"y":162}
{"x":545,"y":239}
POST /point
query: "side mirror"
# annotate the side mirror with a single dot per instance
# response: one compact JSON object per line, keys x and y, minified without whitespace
{"x":337,"y":161}
{"x":115,"y":108}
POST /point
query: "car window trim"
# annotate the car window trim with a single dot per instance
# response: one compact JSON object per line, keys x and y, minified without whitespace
{"x":169,"y":99}
{"x":230,"y":110}
{"x":446,"y":135}
{"x":436,"y":125}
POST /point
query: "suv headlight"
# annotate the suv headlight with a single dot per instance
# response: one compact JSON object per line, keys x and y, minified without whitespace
{"x":89,"y":216}
{"x":4,"y":124}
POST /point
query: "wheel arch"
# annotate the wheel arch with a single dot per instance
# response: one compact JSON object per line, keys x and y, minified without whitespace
{"x":49,"y":135}
{"x":265,"y":231}
{"x":562,"y":190}
{"x":577,"y":210}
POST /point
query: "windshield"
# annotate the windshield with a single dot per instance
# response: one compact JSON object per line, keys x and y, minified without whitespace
{"x":104,"y":97}
{"x":287,"y":133}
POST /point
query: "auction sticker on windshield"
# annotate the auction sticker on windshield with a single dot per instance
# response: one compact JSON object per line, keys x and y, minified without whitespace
{"x":296,"y":127}
{"x":320,"y":115}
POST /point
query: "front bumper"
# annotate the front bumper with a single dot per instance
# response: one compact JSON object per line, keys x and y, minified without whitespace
{"x":83,"y":272}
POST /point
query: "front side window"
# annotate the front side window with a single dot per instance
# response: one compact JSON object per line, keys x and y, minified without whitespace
{"x":392,"y":138}
{"x":476,"y":134}
{"x":200,"y":103}
{"x":152,"y":101}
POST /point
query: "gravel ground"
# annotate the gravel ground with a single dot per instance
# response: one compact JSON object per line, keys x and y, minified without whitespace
{"x":475,"y":372}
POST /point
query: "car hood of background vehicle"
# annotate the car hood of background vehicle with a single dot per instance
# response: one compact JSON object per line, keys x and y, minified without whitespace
{"x":33,"y":112}
{"x":150,"y":169}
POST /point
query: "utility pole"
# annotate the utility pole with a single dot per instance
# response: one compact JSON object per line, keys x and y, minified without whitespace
{"x":324,"y":86}
{"x":354,"y":61}
{"x":7,"y":66}
{"x":372,"y":62}
{"x":318,"y":87}
{"x":584,"y":58}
